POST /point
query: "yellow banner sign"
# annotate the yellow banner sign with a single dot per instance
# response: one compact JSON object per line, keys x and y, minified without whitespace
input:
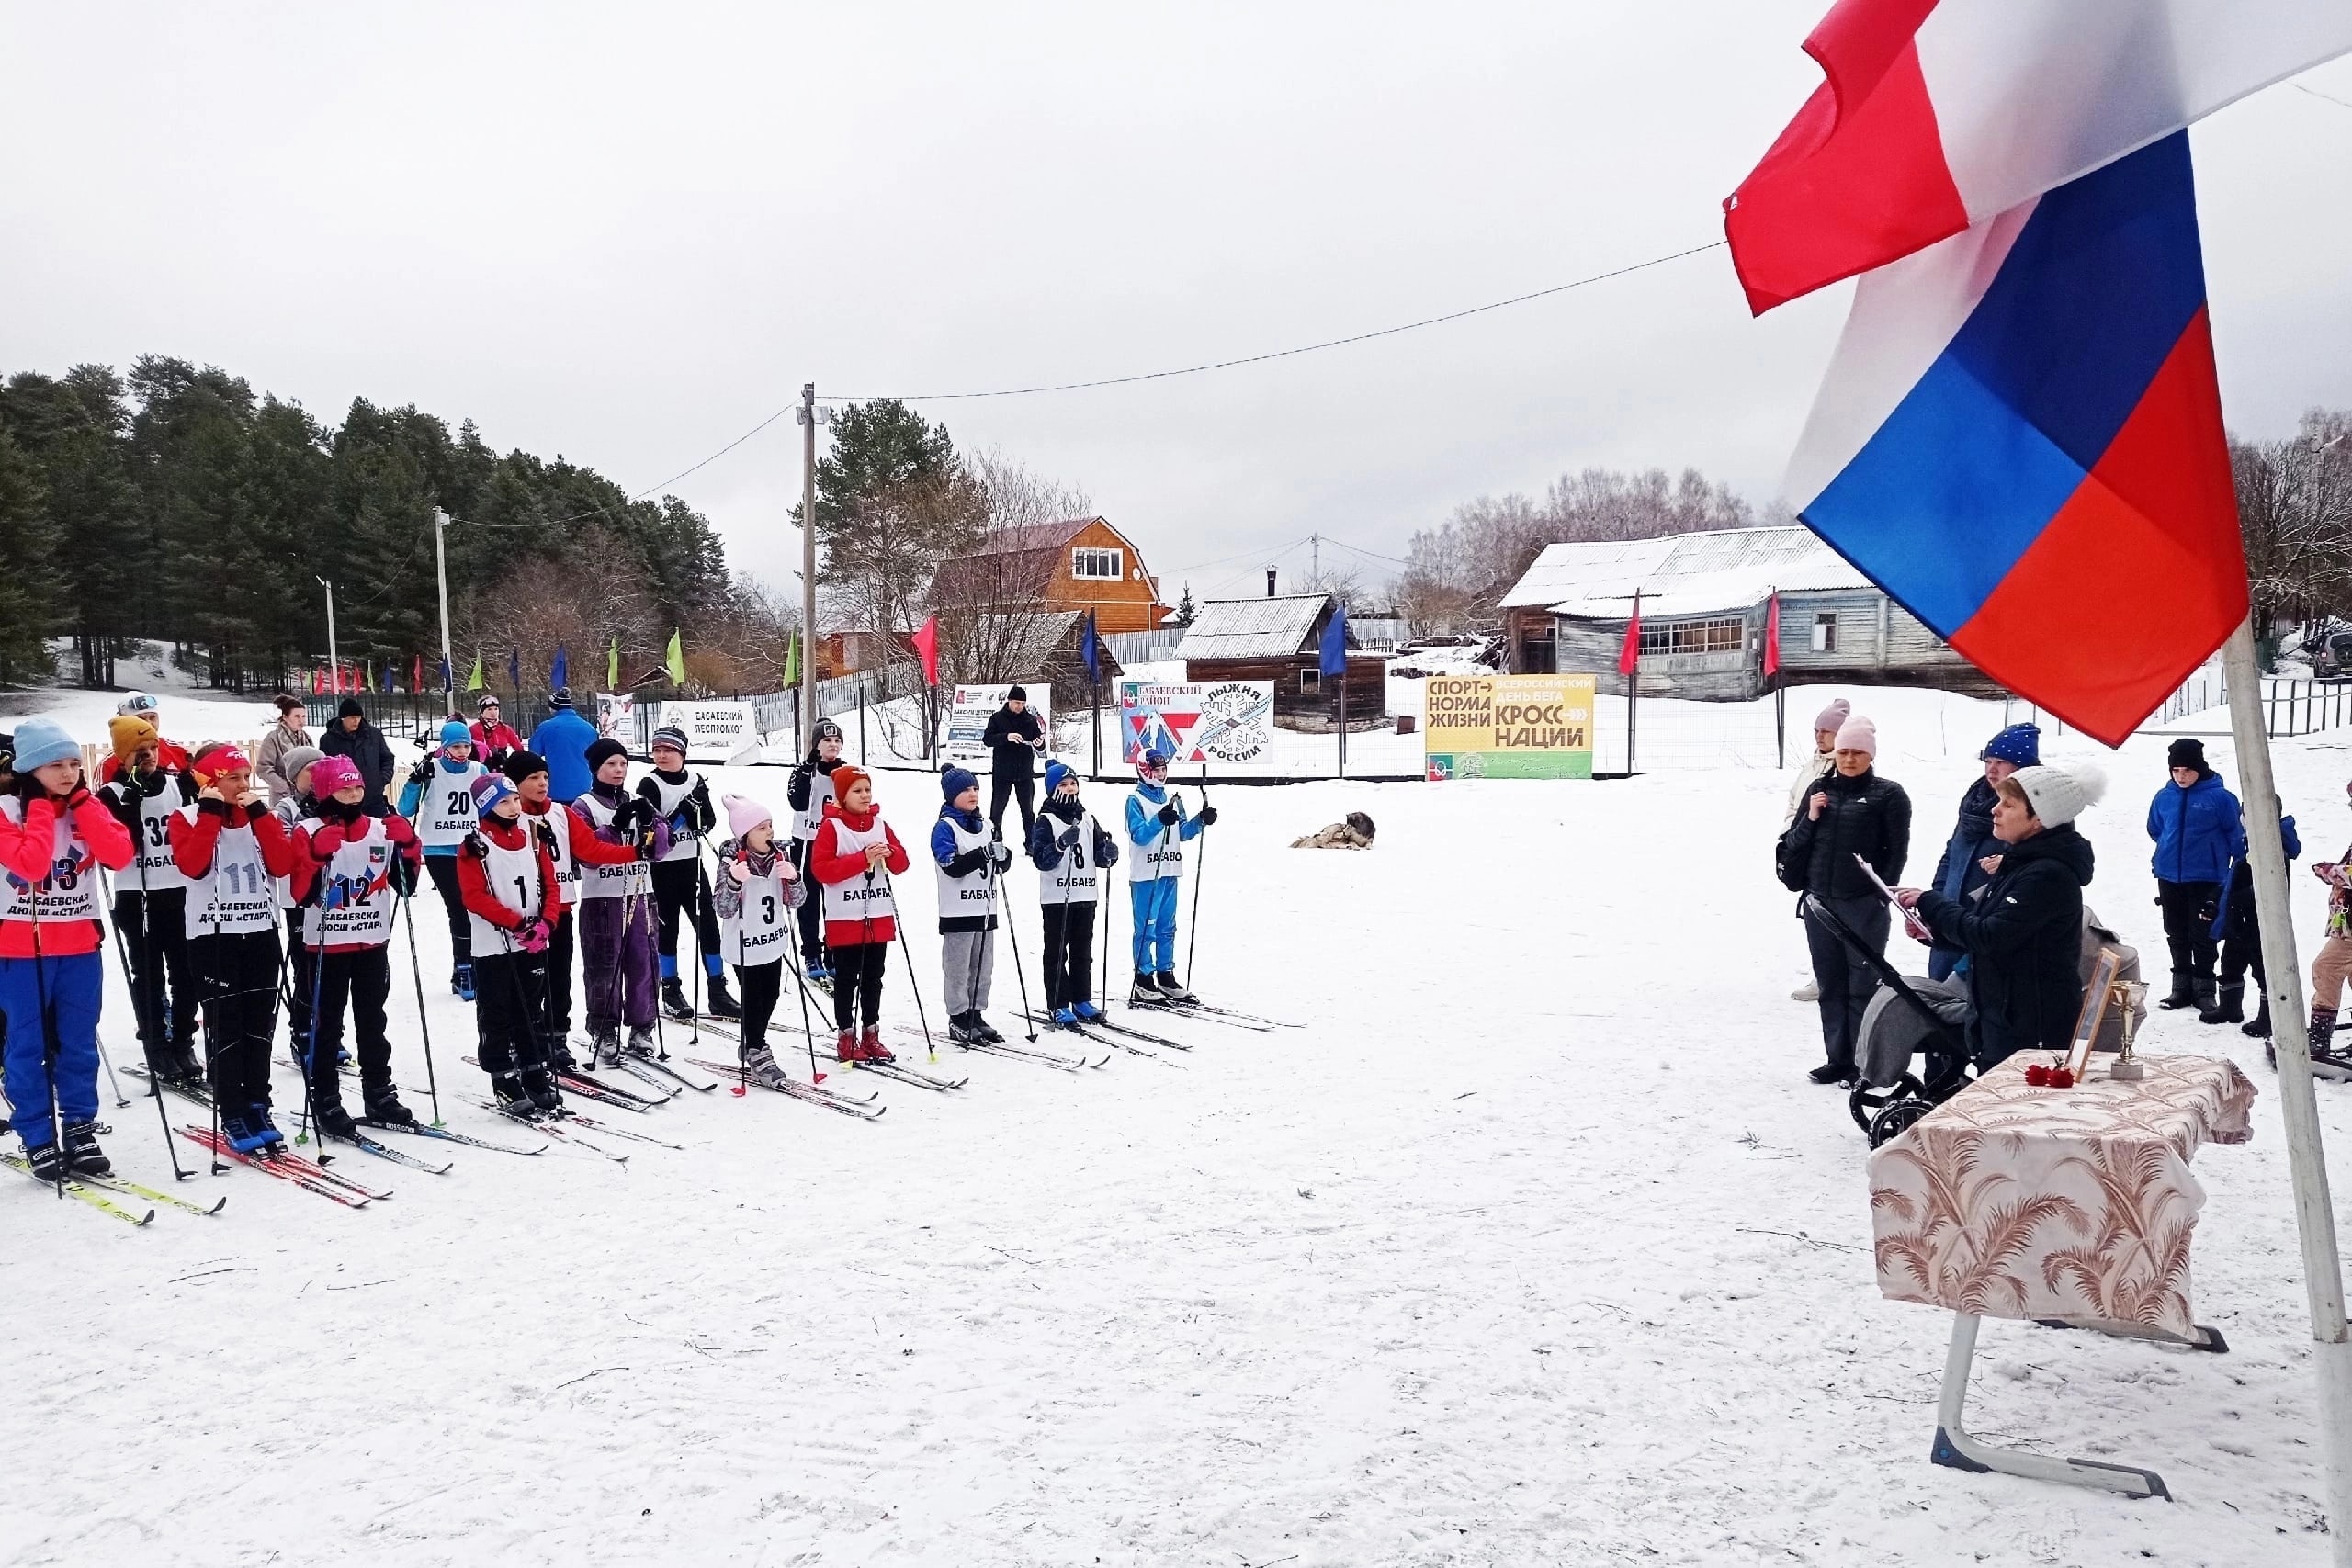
{"x":1509,"y":727}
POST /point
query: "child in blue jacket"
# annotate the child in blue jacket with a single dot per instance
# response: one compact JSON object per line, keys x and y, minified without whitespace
{"x":2200,"y":836}
{"x":1158,"y":828}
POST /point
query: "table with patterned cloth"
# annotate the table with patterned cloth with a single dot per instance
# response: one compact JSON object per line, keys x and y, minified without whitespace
{"x":2068,"y":1206}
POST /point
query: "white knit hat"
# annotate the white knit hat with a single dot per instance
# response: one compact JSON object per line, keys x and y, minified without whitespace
{"x":2060,"y":794}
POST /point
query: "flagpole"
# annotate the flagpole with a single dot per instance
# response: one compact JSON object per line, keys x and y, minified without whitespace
{"x":2299,"y":1106}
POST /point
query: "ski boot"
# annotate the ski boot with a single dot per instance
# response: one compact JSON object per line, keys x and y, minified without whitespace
{"x":272,"y":1141}
{"x":719,"y":1001}
{"x":83,"y":1156}
{"x":335,"y":1121}
{"x":463,"y":982}
{"x":821,"y":974}
{"x":181,"y":1069}
{"x":641,"y":1042}
{"x":983,"y":1029}
{"x":539,"y":1088}
{"x":674,"y":999}
{"x":1144,"y":993}
{"x":512,"y":1097}
{"x":870,"y":1047}
{"x":603,"y":1046}
{"x":2184,"y":991}
{"x":1066,"y":1018}
{"x":48,"y":1163}
{"x":1175,"y":990}
{"x":845,"y":1047}
{"x":759,"y":1063}
{"x":960,"y":1030}
{"x":1087,"y":1012}
{"x":2228,"y":1008}
{"x":237,"y":1131}
{"x":560,"y":1057}
{"x":383,"y":1104}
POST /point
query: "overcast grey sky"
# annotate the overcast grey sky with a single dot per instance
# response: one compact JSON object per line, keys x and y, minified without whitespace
{"x":628,"y":232}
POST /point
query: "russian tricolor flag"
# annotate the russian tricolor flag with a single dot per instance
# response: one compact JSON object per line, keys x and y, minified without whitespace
{"x":2020,"y":436}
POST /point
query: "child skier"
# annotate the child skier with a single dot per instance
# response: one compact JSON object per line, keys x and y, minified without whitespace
{"x":854,"y":855}
{"x":150,"y":900}
{"x":571,"y":844}
{"x":228,"y":846}
{"x":970,"y":859}
{"x":617,"y":907}
{"x":1069,"y":849}
{"x":757,"y":891}
{"x":349,"y":870}
{"x":682,"y":799}
{"x":810,"y":791}
{"x":142,"y":706}
{"x":495,"y":739}
{"x":439,"y":801}
{"x":51,"y":978}
{"x":507,"y":879}
{"x":1159,"y":829}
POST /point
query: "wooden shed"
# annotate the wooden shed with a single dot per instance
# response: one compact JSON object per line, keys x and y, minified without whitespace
{"x":1279,"y":639}
{"x":1705,"y":599}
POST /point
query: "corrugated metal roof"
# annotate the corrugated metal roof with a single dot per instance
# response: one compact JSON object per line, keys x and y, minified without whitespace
{"x":1024,"y":536}
{"x":1252,"y":628}
{"x":1682,"y":574}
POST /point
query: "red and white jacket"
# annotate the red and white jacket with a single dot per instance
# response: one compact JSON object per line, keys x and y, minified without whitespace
{"x":46,"y":856}
{"x":856,"y":911}
{"x":473,"y":880}
{"x":575,"y":845}
{"x":318,"y":841}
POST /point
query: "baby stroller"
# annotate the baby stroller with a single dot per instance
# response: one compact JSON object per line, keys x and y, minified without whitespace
{"x":1904,"y":1017}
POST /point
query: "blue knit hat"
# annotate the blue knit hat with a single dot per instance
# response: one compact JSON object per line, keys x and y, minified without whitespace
{"x":489,"y":790}
{"x":41,"y":742}
{"x":955,"y":780}
{"x":455,"y":733}
{"x":2020,"y":743}
{"x":1056,"y":772}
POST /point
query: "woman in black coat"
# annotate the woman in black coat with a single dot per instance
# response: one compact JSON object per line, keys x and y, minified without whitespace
{"x":1852,"y":811}
{"x":2023,"y":930}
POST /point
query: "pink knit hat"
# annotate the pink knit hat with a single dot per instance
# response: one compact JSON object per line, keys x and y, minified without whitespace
{"x":743,"y":814}
{"x":1834,"y":715}
{"x":1857,"y":734}
{"x":329,"y":774}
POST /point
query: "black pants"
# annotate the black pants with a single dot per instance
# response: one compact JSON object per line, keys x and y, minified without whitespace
{"x":510,"y":990}
{"x":857,"y":982}
{"x":813,"y":924}
{"x":358,"y":981}
{"x":1022,"y":784}
{"x":1069,"y":954}
{"x":761,"y":984}
{"x":1845,"y":977}
{"x":2189,"y":909}
{"x":443,"y":869}
{"x":2241,"y":940}
{"x":300,"y":972}
{"x":555,"y":1018}
{"x":237,"y":976}
{"x":676,"y":884}
{"x":154,"y":933}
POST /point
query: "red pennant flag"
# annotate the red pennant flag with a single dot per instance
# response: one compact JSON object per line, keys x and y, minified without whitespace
{"x":416,"y":674}
{"x":926,"y":641}
{"x":316,"y":685}
{"x":1629,"y":657}
{"x":1772,"y":637}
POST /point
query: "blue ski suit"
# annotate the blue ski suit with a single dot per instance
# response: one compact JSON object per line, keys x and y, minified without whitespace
{"x":1152,"y":891}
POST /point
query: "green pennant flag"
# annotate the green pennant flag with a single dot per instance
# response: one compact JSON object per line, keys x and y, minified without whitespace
{"x":474,"y":681}
{"x":676,"y":663}
{"x":613,"y":665}
{"x":792,"y":662}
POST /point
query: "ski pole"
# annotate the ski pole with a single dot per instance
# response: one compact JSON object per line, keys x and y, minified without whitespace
{"x":1019,"y":974}
{"x":416,"y":972}
{"x":51,"y":1048}
{"x":808,"y":1032}
{"x":310,"y":1055}
{"x":122,"y":953}
{"x":914,"y":981}
{"x":1200,"y":870}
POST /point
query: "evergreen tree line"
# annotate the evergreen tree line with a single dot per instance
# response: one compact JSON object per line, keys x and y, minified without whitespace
{"x":174,"y":505}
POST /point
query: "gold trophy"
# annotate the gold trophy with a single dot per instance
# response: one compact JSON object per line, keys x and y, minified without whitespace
{"x":2127,"y":995}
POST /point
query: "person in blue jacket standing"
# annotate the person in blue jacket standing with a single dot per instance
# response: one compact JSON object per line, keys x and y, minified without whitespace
{"x":1158,"y":828}
{"x":1961,"y":870}
{"x":2239,"y":930}
{"x":2200,"y":836}
{"x":563,"y":739}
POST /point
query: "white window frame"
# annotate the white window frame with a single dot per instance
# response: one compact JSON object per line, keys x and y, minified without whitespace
{"x":1115,"y":558}
{"x":1825,"y":631}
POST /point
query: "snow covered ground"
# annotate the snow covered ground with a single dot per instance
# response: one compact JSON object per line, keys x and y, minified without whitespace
{"x":1534,"y":1246}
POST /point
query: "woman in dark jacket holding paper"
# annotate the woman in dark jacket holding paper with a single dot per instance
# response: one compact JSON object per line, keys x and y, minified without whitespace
{"x":2023,"y":930}
{"x":1961,"y":870}
{"x":1852,"y":812}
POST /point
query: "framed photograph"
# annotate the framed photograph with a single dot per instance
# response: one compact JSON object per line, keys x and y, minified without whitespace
{"x":2096,"y":998}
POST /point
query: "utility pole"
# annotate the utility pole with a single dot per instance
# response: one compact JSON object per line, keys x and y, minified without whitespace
{"x":441,"y":572}
{"x":334,"y":664}
{"x":808,"y":412}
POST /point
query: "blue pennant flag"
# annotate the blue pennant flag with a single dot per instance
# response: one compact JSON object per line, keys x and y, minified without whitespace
{"x":445,"y":675}
{"x":1088,"y":651}
{"x":514,"y":669}
{"x":1335,"y":642}
{"x":560,"y":675}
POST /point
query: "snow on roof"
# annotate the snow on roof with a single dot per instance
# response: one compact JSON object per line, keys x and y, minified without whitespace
{"x":1680,"y":574}
{"x":1252,"y":628}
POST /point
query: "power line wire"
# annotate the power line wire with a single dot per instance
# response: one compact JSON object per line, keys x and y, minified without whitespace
{"x":1304,"y":348}
{"x":2314,"y":92}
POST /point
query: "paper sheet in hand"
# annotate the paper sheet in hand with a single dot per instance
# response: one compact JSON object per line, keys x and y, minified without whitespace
{"x":1910,"y":921}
